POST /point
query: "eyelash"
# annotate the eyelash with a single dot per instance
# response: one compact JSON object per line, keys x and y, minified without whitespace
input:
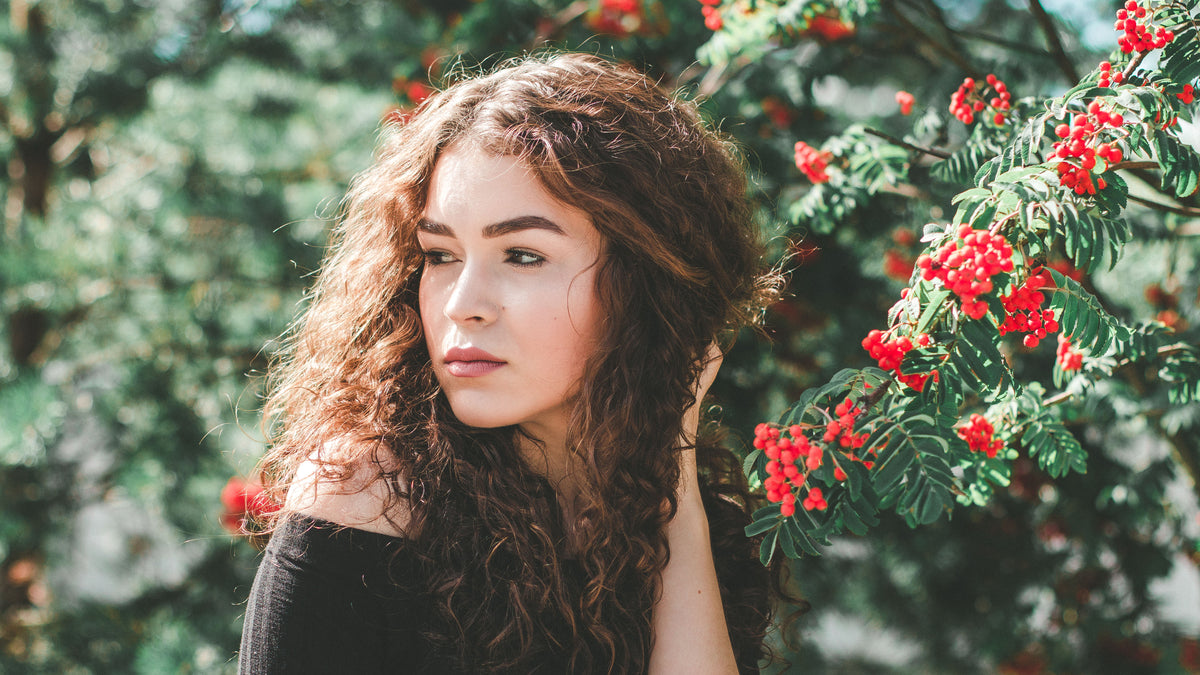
{"x":514,"y":253}
{"x":433,"y":258}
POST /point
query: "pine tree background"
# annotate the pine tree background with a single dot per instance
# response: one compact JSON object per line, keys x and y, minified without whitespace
{"x":172,"y":170}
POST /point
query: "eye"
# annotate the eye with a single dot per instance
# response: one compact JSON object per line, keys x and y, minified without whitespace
{"x":523,"y":258}
{"x":434,"y":258}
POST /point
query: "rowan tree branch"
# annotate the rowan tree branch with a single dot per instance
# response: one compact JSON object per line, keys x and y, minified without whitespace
{"x":951,"y":54}
{"x":1167,"y":350}
{"x":1169,"y":208}
{"x":1132,"y":66}
{"x":1133,"y":166}
{"x":933,"y":152}
{"x":1053,"y":40}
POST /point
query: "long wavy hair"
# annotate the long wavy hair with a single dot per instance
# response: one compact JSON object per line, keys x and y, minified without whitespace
{"x":510,"y":585}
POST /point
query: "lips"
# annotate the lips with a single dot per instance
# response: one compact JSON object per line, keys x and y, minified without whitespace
{"x":471,"y":362}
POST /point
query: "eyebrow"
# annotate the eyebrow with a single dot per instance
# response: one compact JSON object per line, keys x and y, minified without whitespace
{"x":495,"y":229}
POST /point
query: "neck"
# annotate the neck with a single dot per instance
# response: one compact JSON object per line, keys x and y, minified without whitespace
{"x":546,"y":454}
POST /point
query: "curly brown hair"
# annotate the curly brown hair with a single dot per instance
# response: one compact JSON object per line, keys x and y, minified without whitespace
{"x":518,"y":580}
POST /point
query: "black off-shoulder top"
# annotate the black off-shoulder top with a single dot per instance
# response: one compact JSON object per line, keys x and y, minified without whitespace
{"x":332,"y":599}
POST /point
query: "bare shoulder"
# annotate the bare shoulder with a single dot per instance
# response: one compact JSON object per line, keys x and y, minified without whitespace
{"x":363,"y":501}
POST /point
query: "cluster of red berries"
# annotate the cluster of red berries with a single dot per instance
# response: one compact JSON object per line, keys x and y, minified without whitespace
{"x":1080,"y":147}
{"x":979,"y":435}
{"x":415,"y":91}
{"x":814,"y":501}
{"x":967,"y":264}
{"x":1068,"y":357}
{"x":1107,"y":76}
{"x":889,"y":353}
{"x":780,"y":114}
{"x":244,"y":502}
{"x":1023,"y":310}
{"x":827,"y":25}
{"x":1137,"y":37}
{"x":712,"y":15}
{"x":782,"y":472}
{"x":1167,"y":304}
{"x":897,"y":265}
{"x":971,"y":99}
{"x":1187,"y":95}
{"x":840,"y":430}
{"x":812,"y":162}
{"x":791,"y":458}
{"x":617,"y":17}
{"x":906,"y":101}
{"x":1066,"y":269}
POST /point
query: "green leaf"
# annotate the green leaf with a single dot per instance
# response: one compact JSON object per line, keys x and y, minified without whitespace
{"x":977,"y":353}
{"x":766,"y":550}
{"x":749,"y":464}
{"x":787,"y":543}
{"x":851,"y":520}
{"x":1181,"y":372}
{"x":962,"y":166}
{"x":1082,"y":318}
{"x":1057,"y":451}
{"x":932,"y":307}
{"x":762,"y":523}
{"x":1180,"y":165}
{"x":799,"y":537}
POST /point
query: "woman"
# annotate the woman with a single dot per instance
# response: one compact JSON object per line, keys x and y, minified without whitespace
{"x":488,"y":413}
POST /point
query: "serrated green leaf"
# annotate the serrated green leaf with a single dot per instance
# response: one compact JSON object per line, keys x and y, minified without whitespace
{"x":748,"y":463}
{"x":932,"y":307}
{"x":787,"y":543}
{"x":892,"y":461}
{"x":851,"y":520}
{"x":800,"y":538}
{"x":763,"y":523}
{"x":1083,"y":319}
{"x":766,"y":550}
{"x":1057,"y":451}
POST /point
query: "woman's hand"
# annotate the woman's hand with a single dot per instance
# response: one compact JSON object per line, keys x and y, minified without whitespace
{"x":691,"y":417}
{"x":690,"y":634}
{"x":688,"y":481}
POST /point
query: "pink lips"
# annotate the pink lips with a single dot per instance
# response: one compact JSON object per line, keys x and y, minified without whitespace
{"x":470,"y":362}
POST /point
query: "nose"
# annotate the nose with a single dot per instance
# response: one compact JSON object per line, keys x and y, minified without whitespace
{"x":472,"y":298}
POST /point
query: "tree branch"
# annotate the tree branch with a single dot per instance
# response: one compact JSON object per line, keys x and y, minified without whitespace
{"x":1024,"y":48}
{"x":933,"y":152}
{"x":1169,"y":208}
{"x":949,"y":53}
{"x":1133,"y":166}
{"x":1064,"y":396}
{"x":1053,"y":41}
{"x":1133,"y":64}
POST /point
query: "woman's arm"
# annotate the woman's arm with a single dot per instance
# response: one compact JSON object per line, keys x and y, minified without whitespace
{"x":690,"y":634}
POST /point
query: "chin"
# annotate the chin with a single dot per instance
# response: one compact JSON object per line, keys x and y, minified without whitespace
{"x":479,"y":415}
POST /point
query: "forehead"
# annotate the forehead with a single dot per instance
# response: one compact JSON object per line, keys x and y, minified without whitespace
{"x":472,"y":188}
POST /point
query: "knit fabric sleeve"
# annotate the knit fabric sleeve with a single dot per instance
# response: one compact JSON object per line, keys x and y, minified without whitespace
{"x":330,"y":599}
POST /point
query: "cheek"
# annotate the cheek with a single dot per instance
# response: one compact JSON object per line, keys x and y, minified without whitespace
{"x":427,"y":305}
{"x":581,"y":320}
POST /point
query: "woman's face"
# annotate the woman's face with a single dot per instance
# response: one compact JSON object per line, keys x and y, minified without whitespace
{"x":507,"y":294}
